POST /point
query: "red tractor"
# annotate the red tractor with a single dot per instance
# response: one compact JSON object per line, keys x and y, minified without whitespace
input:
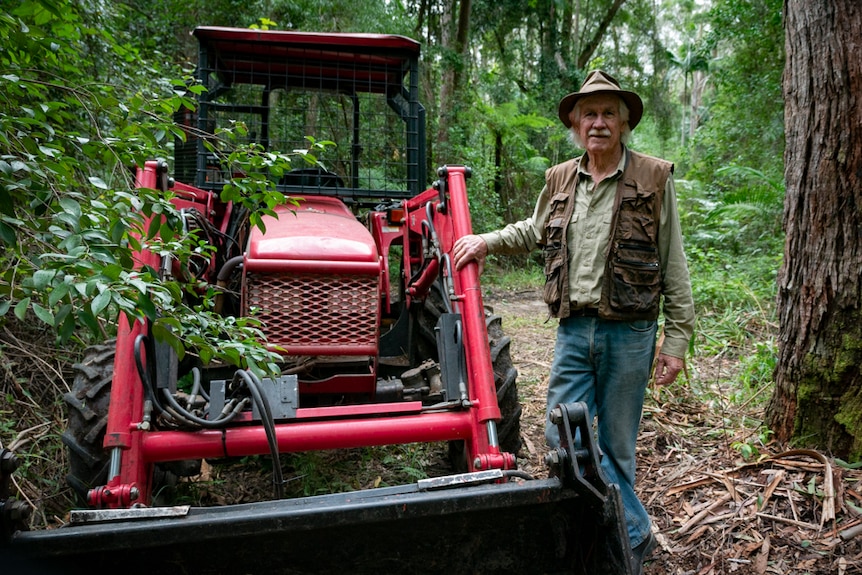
{"x":382,"y":342}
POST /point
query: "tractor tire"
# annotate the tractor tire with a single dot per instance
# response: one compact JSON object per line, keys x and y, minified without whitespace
{"x":88,"y":404}
{"x":505,"y":376}
{"x":87,"y":419}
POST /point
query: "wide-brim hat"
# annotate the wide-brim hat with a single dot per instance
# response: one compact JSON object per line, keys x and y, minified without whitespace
{"x":599,"y":82}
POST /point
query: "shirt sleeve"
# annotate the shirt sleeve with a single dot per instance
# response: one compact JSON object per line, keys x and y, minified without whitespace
{"x":678,"y":307}
{"x":523,"y":236}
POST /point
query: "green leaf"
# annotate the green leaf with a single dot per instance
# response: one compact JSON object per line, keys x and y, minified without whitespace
{"x":21,"y":308}
{"x":100,"y":302}
{"x":7,"y":234}
{"x":4,"y":306}
{"x":146,"y":305}
{"x":164,"y":334}
{"x":44,"y":314}
{"x":206,"y":354}
{"x":171,"y":322}
{"x":60,"y":291}
{"x":89,"y":320}
{"x":67,"y":326}
{"x":98,"y":182}
{"x":43,"y":278}
{"x":70,"y":206}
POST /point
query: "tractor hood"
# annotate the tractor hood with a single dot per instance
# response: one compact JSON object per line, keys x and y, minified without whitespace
{"x":319,"y":229}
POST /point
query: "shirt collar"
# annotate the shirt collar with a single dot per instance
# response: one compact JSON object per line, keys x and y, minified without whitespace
{"x":582,"y":165}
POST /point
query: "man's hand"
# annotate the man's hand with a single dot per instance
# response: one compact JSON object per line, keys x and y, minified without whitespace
{"x":469,"y":248}
{"x":667,"y":368}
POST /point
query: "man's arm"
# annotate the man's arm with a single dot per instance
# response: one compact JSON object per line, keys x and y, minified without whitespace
{"x":520,"y":237}
{"x":678,"y":305}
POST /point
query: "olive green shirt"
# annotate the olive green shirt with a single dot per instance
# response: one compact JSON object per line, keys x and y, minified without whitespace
{"x":588,"y":236}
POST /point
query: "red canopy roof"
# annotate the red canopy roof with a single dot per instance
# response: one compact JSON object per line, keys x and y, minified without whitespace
{"x":371,"y":62}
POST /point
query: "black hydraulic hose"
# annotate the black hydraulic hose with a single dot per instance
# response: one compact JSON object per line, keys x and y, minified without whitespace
{"x":144,"y":375}
{"x":176,"y":411}
{"x":444,"y":283}
{"x":228,"y":411}
{"x":189,"y":417}
{"x":254,"y":385}
{"x":222,"y":278}
{"x":228,"y":267}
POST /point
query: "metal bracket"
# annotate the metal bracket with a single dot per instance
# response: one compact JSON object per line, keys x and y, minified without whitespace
{"x":283,"y":396}
{"x":576,"y":461}
{"x":452,"y":360}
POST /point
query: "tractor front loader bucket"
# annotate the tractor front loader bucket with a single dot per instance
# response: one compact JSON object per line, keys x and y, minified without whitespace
{"x":492,"y":521}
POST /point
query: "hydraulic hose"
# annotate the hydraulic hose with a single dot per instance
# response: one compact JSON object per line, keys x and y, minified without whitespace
{"x":229,"y":411}
{"x":254,"y":386}
{"x":144,"y":374}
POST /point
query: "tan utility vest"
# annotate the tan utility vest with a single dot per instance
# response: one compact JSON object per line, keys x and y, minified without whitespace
{"x":631,"y":285}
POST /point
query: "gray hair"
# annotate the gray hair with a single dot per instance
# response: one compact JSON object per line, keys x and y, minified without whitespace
{"x":575,"y":138}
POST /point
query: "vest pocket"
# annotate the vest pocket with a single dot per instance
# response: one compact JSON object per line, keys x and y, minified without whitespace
{"x":637,"y":212}
{"x":636,"y":278}
{"x":552,"y":293}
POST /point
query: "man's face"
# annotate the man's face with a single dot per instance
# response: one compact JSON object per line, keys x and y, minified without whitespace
{"x":599,"y":123}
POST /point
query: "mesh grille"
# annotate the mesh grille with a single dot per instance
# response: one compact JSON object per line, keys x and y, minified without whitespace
{"x":302,"y":312}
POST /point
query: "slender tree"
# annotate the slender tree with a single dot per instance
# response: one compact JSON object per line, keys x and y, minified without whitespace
{"x":818,"y":389}
{"x":457,"y":48}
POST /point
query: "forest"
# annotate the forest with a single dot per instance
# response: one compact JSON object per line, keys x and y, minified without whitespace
{"x":90,"y":88}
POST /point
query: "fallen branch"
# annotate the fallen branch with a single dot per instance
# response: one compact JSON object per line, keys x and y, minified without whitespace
{"x":802,"y":524}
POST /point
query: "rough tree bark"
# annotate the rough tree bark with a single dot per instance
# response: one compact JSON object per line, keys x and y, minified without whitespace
{"x":817,"y":400}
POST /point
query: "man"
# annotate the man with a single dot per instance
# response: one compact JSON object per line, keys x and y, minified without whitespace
{"x":608,"y":225}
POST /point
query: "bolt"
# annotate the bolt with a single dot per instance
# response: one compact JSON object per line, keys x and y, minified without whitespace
{"x":477,"y":463}
{"x":556,"y":415}
{"x":552,"y":458}
{"x":134,"y":493}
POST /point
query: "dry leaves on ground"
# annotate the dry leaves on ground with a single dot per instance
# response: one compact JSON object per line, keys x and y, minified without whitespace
{"x":789,"y":512}
{"x":784,"y":512}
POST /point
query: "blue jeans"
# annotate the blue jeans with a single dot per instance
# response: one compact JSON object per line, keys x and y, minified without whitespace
{"x":607,"y":364}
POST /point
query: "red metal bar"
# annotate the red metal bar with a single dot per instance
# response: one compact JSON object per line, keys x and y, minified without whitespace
{"x":399,"y":408}
{"x":479,"y":361}
{"x":307,"y":436}
{"x":126,"y":384}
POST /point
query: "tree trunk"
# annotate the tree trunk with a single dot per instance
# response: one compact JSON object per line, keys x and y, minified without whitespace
{"x":593,"y":43}
{"x":567,"y":39}
{"x":453,"y":70}
{"x":817,"y":400}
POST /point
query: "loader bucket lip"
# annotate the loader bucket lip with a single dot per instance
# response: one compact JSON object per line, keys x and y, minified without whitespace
{"x":459,"y":529}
